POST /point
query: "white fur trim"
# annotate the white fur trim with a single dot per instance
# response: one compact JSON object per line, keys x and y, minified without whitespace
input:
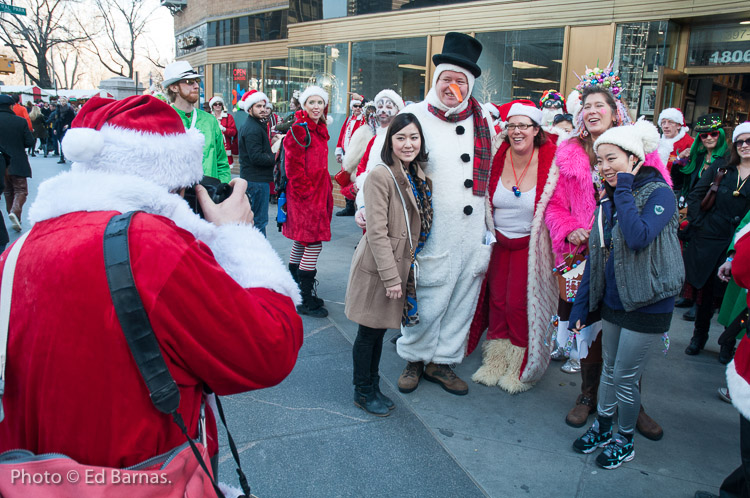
{"x":741,"y":129}
{"x":313,"y":90}
{"x":666,"y":145}
{"x":356,"y":149}
{"x":339,"y":151}
{"x":745,"y":230}
{"x":529,"y":111}
{"x":173,"y":161}
{"x":672,"y":114}
{"x":354,"y":102}
{"x":230,"y":491}
{"x":329,"y":120}
{"x":216,"y":98}
{"x":494,"y":362}
{"x":392,"y":95}
{"x":640,"y":138}
{"x":250,"y":100}
{"x":739,"y":390}
{"x":82,"y":144}
{"x":241,"y":250}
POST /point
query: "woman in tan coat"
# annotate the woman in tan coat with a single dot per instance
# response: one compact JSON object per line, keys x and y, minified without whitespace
{"x":381,"y":293}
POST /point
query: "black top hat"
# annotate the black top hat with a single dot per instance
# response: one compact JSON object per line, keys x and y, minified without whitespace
{"x":708,"y":122}
{"x":461,"y":50}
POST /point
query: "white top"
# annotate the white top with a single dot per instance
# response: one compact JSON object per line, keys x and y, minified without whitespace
{"x":513,"y":215}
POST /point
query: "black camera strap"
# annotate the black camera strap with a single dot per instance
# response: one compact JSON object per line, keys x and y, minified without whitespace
{"x":142,"y":342}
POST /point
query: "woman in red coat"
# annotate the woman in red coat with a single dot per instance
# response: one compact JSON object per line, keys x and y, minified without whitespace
{"x":309,"y":194}
{"x":226,"y":123}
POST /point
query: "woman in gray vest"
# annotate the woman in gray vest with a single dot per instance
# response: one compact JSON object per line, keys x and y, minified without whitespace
{"x":632,"y":276}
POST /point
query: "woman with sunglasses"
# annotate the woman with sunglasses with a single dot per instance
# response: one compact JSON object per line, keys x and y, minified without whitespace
{"x":710,"y":147}
{"x":227,"y":125}
{"x":712,"y":221}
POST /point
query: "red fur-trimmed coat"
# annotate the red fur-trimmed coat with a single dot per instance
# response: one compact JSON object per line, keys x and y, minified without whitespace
{"x":230,"y":136}
{"x":738,"y":371}
{"x":541,"y":290}
{"x":309,"y":191}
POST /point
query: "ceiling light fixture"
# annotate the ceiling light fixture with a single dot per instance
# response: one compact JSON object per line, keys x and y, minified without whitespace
{"x":412,"y":66}
{"x":527,"y":65}
{"x":744,"y":22}
{"x":539,"y":80}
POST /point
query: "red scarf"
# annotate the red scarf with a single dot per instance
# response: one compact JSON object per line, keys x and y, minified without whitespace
{"x":482,"y":142}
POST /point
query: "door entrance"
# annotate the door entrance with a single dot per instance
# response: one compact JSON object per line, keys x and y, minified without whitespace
{"x":727,"y":94}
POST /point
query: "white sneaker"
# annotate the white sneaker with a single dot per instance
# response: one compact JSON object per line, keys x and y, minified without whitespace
{"x":571,"y":366}
{"x":14,"y":222}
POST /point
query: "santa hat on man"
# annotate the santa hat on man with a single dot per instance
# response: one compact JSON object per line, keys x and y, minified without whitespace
{"x":354,"y":102}
{"x":672,"y":114}
{"x":138,"y":135}
{"x":250,"y":98}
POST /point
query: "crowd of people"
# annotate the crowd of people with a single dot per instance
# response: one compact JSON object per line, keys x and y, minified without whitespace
{"x":580,"y":252}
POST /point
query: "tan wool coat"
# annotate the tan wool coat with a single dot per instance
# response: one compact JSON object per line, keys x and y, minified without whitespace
{"x":383,"y":256}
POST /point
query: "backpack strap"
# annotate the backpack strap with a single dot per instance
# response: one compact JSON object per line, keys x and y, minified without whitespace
{"x":142,"y":342}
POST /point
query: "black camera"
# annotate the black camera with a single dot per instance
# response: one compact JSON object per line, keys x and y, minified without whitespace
{"x":218,"y":192}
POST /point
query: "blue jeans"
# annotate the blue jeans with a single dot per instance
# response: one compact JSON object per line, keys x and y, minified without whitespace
{"x":260,"y":194}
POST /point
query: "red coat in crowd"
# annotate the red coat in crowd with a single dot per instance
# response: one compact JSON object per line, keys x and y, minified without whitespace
{"x":738,"y":371}
{"x":230,"y":135}
{"x":309,"y":191}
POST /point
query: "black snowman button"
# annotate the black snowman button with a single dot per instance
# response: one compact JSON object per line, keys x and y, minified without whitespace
{"x":468,"y":210}
{"x":468,"y":183}
{"x":460,"y":130}
{"x":465,"y":158}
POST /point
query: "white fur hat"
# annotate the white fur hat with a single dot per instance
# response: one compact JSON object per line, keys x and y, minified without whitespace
{"x":215,"y":99}
{"x":528,"y":110}
{"x":392,"y":96}
{"x":640,"y":138}
{"x":251,"y":98}
{"x":313,"y":90}
{"x":672,"y":114}
{"x":741,"y":129}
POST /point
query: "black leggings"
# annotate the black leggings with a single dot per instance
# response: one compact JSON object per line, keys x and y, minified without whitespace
{"x":368,"y":346}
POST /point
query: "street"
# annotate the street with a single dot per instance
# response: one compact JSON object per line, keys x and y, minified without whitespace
{"x":305,"y":437}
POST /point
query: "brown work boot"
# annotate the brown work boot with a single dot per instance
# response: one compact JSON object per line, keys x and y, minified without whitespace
{"x":586,"y":402}
{"x":409,"y":379}
{"x":648,"y":426}
{"x":447,"y":378}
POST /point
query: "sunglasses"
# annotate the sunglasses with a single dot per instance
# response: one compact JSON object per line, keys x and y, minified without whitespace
{"x":357,"y":106}
{"x":217,"y":103}
{"x":742,"y":143}
{"x":713,"y":134}
{"x":191,"y":81}
{"x":562,"y":117}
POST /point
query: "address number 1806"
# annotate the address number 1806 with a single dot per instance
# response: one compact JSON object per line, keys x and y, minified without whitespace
{"x":729,"y":57}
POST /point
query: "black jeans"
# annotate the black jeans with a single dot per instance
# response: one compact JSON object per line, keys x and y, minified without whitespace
{"x":738,"y":482}
{"x":368,"y":346}
{"x":705,"y":309}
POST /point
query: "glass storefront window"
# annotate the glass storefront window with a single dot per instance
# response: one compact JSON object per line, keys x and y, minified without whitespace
{"x":325,"y":66}
{"x":719,"y":45}
{"x":232,"y":80}
{"x":519,"y":64}
{"x":191,"y":41}
{"x":247,"y":29}
{"x":640,"y":48}
{"x":395,"y":64}
{"x":275,"y":84}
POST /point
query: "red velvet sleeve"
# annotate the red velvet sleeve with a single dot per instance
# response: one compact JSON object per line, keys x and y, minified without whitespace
{"x":363,"y":162}
{"x":231,"y":127}
{"x":340,"y":142}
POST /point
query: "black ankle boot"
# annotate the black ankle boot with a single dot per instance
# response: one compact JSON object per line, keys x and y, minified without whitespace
{"x":726,"y":353}
{"x":311,"y":304}
{"x":388,"y":402}
{"x":697,"y":343}
{"x":293,"y":269}
{"x":365,"y":397}
{"x":348,"y":210}
{"x":689,"y":315}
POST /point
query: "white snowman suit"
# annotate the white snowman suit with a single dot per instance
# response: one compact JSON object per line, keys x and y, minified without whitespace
{"x":454,"y":260}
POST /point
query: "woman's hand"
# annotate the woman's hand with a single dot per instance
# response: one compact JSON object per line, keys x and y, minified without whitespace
{"x":725,"y":271}
{"x":394,"y":292}
{"x":359,"y":218}
{"x":579,"y":326}
{"x":578,"y":237}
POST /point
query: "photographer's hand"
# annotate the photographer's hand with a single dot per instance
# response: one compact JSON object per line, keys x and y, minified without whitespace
{"x":236,"y":209}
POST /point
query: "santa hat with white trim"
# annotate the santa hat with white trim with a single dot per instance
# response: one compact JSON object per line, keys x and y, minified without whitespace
{"x":672,"y":114}
{"x":138,"y":135}
{"x":215,"y":99}
{"x":526,"y":108}
{"x":741,"y":129}
{"x":392,"y":96}
{"x":353,"y":103}
{"x":250,"y":98}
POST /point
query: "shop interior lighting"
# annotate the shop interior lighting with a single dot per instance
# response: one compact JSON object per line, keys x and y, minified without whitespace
{"x":744,"y":22}
{"x":540,"y":80}
{"x":412,"y":66}
{"x":559,"y":61}
{"x":527,"y":65}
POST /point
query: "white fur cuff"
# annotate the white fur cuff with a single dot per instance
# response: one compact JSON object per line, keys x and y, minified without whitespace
{"x":739,"y":390}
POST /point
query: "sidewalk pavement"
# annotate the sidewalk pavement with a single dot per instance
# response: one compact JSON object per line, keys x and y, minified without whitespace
{"x":305,"y":437}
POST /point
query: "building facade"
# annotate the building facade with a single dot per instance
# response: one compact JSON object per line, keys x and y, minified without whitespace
{"x":675,"y":53}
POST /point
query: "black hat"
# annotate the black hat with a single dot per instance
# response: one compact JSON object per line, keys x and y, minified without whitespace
{"x":6,"y":100}
{"x":708,"y":122}
{"x":461,"y":50}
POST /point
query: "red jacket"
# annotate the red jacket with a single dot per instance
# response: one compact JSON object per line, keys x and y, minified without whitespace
{"x":738,"y":371}
{"x":72,"y":384}
{"x":230,"y":136}
{"x":309,"y":191}
{"x":356,"y":122}
{"x":21,"y":111}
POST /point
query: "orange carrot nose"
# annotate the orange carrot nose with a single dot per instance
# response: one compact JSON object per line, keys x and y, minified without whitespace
{"x":456,"y":91}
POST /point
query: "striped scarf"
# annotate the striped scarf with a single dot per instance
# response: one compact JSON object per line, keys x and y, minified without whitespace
{"x":482,"y":142}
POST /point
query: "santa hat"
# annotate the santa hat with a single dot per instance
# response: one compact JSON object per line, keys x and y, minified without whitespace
{"x":672,"y":114}
{"x":138,"y":135}
{"x":353,"y":103}
{"x":313,"y":90}
{"x":740,"y":130}
{"x":251,"y":98}
{"x":639,"y":139}
{"x":528,"y":109}
{"x":214,"y":100}
{"x":491,"y":109}
{"x":392,"y":96}
{"x":269,"y":105}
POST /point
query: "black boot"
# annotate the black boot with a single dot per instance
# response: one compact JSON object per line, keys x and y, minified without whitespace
{"x":311,"y":304}
{"x":697,"y":343}
{"x":348,"y":210}
{"x":366,"y":398}
{"x":683,"y":303}
{"x":388,"y":402}
{"x":293,"y":269}
{"x":689,"y":315}
{"x":726,"y":353}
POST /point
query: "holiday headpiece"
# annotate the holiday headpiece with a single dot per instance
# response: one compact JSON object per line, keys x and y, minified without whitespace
{"x":606,"y":79}
{"x":392,"y":96}
{"x":313,"y":90}
{"x":528,"y":109}
{"x":741,"y":129}
{"x":639,"y":139}
{"x":505,"y":108}
{"x":138,"y":135}
{"x":551,"y":96}
{"x":492,"y":109}
{"x":460,"y":50}
{"x":178,"y":71}
{"x":707,"y":123}
{"x":269,"y":105}
{"x":214,"y":100}
{"x":354,"y":102}
{"x":251,"y":98}
{"x":672,"y":114}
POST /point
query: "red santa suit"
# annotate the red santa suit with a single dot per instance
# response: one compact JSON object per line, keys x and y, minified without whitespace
{"x":218,"y":297}
{"x":351,"y":124}
{"x":228,"y":129}
{"x":738,"y":370}
{"x":670,"y":148}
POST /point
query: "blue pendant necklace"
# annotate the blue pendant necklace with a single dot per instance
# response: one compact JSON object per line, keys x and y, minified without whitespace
{"x":516,"y":190}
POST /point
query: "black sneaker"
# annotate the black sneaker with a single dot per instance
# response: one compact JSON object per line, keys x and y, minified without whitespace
{"x":592,"y":440}
{"x":618,"y":451}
